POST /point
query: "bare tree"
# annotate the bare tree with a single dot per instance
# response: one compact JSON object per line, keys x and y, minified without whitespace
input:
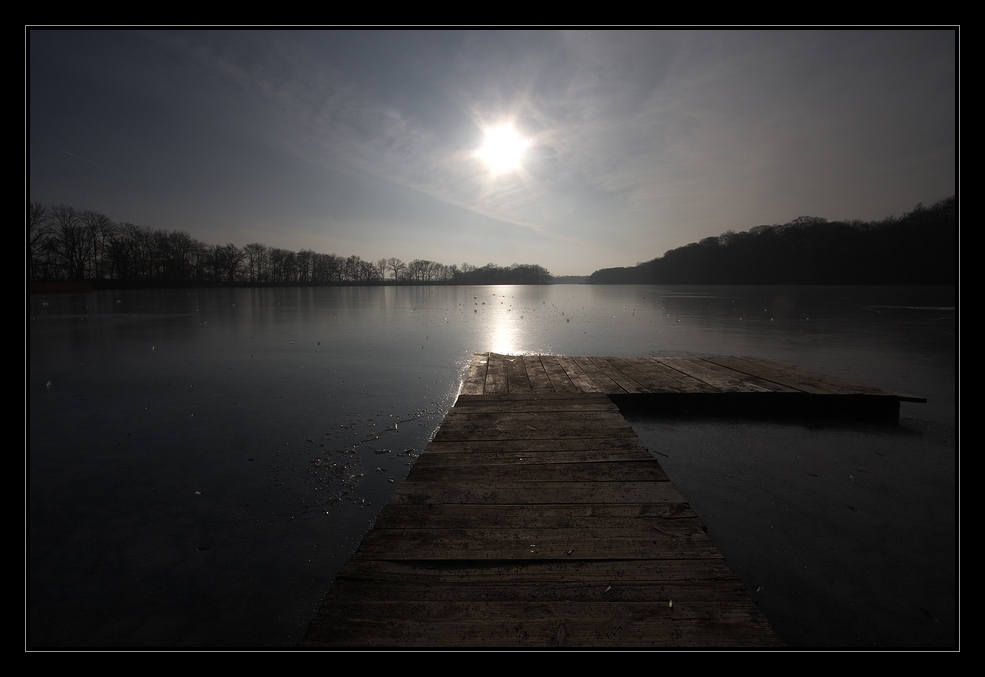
{"x":181,"y":246}
{"x":305,"y":262}
{"x":71,"y":241}
{"x":327,"y":268}
{"x":396,"y":266}
{"x":97,"y":231}
{"x":256,"y":261}
{"x":40,"y":241}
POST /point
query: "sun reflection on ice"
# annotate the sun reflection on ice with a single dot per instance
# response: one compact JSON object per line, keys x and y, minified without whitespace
{"x":503,"y":330}
{"x":504,"y":334}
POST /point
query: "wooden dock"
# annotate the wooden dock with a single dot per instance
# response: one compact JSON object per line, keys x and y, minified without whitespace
{"x":702,"y":384}
{"x":537,"y":518}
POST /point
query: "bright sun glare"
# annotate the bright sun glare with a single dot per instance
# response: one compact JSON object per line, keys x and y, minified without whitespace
{"x":502,"y":149}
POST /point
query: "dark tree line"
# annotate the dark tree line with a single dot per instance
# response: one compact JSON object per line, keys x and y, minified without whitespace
{"x":65,"y":244}
{"x":917,"y":248}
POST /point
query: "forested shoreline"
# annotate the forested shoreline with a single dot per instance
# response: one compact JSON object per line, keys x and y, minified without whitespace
{"x":918,"y":248}
{"x":68,"y":246}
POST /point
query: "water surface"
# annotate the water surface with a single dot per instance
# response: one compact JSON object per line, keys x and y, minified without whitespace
{"x":202,"y":462}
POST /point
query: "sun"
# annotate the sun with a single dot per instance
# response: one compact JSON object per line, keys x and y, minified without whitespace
{"x":503,"y":149}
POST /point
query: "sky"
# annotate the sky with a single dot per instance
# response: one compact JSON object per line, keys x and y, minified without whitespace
{"x":630,"y":143}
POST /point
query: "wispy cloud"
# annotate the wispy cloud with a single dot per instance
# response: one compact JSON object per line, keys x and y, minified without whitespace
{"x":87,"y":160}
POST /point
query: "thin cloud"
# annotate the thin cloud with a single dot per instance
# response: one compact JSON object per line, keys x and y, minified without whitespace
{"x":88,"y":160}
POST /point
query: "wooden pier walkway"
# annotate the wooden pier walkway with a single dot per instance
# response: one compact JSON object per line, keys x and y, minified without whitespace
{"x":537,"y":518}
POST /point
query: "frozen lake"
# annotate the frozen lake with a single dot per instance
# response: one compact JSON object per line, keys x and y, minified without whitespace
{"x":201,"y":463}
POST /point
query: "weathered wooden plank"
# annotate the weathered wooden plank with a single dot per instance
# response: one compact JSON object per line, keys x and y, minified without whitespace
{"x":607,"y":366}
{"x":524,"y":425}
{"x":803,"y":380}
{"x":537,"y":445}
{"x":475,"y":377}
{"x":669,"y":380}
{"x":558,"y":376}
{"x":611,"y":471}
{"x":609,"y":573}
{"x":641,"y":372}
{"x":508,"y":433}
{"x":772,"y":386}
{"x":536,"y":399}
{"x":516,"y":375}
{"x":496,"y":381}
{"x":722,"y":378}
{"x":577,"y":376}
{"x":509,"y":430}
{"x":540,"y":381}
{"x":543,"y":624}
{"x":468,"y":457}
{"x":451,"y":515}
{"x":575,"y":589}
{"x":533,"y":420}
{"x":599,"y":378}
{"x":675,"y":539}
{"x":531,"y":445}
{"x":660,"y":521}
{"x":520,"y":492}
{"x":492,"y":404}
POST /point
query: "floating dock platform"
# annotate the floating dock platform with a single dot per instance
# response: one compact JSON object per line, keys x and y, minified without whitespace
{"x":536,"y":518}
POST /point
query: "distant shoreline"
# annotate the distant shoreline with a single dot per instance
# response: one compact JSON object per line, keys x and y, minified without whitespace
{"x":71,"y":286}
{"x":75,"y":286}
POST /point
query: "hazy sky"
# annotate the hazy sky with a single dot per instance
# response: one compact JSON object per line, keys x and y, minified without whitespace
{"x":364,"y":142}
